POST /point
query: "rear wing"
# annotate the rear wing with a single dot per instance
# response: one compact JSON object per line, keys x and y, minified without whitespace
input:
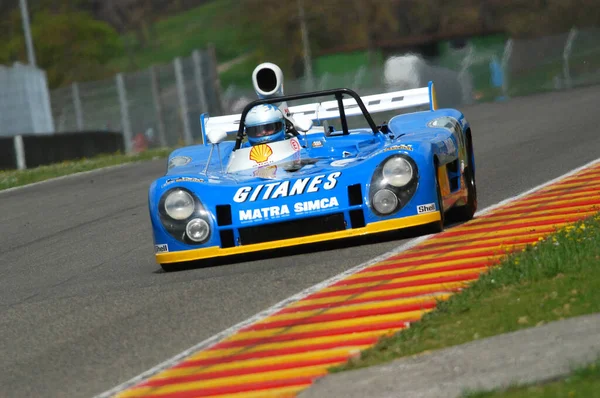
{"x":328,"y":110}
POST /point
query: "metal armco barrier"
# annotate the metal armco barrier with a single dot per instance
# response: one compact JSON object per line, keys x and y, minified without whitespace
{"x":27,"y":151}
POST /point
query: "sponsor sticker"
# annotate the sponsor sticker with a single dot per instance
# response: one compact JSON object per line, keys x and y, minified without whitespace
{"x":401,"y":147}
{"x":179,"y":161}
{"x":261,"y":153}
{"x":428,"y":208}
{"x":295,"y":145}
{"x":181,"y":179}
{"x":162,"y":248}
{"x":275,"y":212}
{"x":317,"y":144}
{"x":282,"y":189}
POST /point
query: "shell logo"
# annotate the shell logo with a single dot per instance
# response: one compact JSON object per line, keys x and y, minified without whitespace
{"x":260,"y":153}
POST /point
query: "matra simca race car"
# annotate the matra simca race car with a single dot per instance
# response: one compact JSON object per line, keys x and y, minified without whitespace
{"x":319,"y":171}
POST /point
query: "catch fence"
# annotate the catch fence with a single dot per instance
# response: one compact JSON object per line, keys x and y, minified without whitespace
{"x":156,"y":107}
{"x":160,"y":106}
{"x":515,"y":67}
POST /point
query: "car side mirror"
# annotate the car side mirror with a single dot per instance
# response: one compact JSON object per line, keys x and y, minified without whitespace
{"x":216,"y":136}
{"x":302,"y":123}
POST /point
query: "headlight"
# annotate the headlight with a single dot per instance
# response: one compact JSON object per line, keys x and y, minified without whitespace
{"x":385,"y":201}
{"x":397,"y":171}
{"x":197,"y":230}
{"x":184,"y":217}
{"x":394,"y":183}
{"x":179,"y":205}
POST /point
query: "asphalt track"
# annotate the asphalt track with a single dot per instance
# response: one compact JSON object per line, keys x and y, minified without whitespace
{"x":83,"y":306}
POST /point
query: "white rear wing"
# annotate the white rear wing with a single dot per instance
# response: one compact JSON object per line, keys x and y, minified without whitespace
{"x":328,"y":110}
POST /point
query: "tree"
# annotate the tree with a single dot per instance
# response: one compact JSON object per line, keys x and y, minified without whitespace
{"x":274,"y":27}
{"x":70,"y":46}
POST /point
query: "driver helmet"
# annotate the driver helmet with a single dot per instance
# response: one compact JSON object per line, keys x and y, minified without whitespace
{"x":264,"y":124}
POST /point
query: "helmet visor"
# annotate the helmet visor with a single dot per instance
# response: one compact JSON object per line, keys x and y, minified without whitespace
{"x":264,"y":130}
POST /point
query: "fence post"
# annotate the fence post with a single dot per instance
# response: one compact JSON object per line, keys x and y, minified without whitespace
{"x":508,"y":49}
{"x":358,"y":77}
{"x":566,"y":55}
{"x":77,"y":106}
{"x":199,"y":80}
{"x":125,"y":121}
{"x":463,"y":79}
{"x":187,"y":132}
{"x":158,"y":106}
{"x":47,"y":100}
{"x":324,"y":80}
{"x":215,"y":77}
{"x":19,"y":152}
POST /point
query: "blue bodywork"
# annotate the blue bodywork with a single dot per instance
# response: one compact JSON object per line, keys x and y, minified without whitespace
{"x":334,"y":177}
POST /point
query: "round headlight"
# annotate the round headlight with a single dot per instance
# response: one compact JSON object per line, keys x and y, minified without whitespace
{"x":397,"y":172}
{"x":197,"y":230}
{"x":179,"y":205}
{"x":385,"y":201}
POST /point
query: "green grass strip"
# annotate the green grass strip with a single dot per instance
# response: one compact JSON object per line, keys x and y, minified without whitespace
{"x":15,"y":178}
{"x":553,"y":279}
{"x":583,"y":382}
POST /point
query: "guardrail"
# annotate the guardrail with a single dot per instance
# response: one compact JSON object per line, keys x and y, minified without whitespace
{"x":32,"y":150}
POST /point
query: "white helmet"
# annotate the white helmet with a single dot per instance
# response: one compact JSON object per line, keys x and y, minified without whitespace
{"x":264,"y":124}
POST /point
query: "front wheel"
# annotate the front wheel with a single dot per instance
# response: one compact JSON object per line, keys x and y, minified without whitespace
{"x":172,"y":267}
{"x":466,"y":212}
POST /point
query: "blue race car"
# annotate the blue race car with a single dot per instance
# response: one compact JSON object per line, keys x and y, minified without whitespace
{"x":314,"y":172}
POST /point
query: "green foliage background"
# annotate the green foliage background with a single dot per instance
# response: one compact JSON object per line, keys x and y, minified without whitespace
{"x":77,"y":40}
{"x":70,"y":45}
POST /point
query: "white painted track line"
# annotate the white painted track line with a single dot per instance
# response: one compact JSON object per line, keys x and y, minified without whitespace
{"x":73,"y":175}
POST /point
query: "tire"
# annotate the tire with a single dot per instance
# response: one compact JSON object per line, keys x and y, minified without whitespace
{"x":171,"y":267}
{"x":466,"y":212}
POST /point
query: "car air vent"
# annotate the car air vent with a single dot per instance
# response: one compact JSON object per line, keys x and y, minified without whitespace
{"x":227,"y":238}
{"x":292,"y":229}
{"x":357,"y":218}
{"x":355,"y":195}
{"x":224,"y":215}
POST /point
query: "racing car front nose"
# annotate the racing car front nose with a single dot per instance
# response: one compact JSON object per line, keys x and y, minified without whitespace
{"x":291,"y":217}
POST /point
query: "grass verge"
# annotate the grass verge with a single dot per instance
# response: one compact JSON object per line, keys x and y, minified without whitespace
{"x":583,"y":382}
{"x":15,"y":178}
{"x":556,"y":278}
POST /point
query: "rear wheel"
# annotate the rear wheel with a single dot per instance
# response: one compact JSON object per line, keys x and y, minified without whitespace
{"x":466,"y":212}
